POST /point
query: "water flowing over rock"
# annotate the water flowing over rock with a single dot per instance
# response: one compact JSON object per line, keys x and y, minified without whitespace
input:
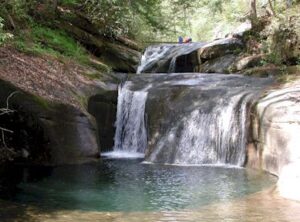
{"x":153,"y":54}
{"x":191,"y":118}
{"x":162,"y":58}
{"x":130,"y":125}
{"x":216,"y":56}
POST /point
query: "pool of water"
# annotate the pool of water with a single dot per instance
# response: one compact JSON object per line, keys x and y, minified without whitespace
{"x":128,"y":186}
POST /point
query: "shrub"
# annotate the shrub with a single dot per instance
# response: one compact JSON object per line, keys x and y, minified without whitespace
{"x":43,"y":40}
{"x":3,"y":35}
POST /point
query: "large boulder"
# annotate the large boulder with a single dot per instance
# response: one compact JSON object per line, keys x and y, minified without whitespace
{"x":220,"y":48}
{"x":48,"y":132}
{"x":54,"y":96}
{"x":249,"y":62}
{"x":276,"y":135}
{"x":103,"y":106}
{"x":222,"y":64}
{"x":190,"y":57}
{"x":118,"y":53}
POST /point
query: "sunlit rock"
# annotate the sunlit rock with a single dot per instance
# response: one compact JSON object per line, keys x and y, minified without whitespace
{"x":278,"y":137}
{"x":289,"y":181}
{"x":249,"y":62}
{"x":220,"y":48}
{"x":222,"y":64}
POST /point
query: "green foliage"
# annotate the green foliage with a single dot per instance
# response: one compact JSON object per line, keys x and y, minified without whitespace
{"x":119,"y":17}
{"x":283,"y":38}
{"x":112,"y":17}
{"x":202,"y":20}
{"x":3,"y":35}
{"x":69,"y":2}
{"x":43,"y":40}
{"x":17,"y":9}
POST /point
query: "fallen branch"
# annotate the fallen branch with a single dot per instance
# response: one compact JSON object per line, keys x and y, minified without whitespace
{"x":6,"y":130}
{"x":4,"y":111}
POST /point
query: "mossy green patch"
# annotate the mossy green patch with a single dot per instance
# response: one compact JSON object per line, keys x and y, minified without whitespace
{"x":69,"y":2}
{"x":93,"y":75}
{"x":43,"y":40}
{"x":41,"y":101}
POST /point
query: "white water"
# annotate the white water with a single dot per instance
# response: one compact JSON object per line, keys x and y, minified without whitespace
{"x":122,"y":155}
{"x":153,"y":54}
{"x":205,"y":121}
{"x":208,"y":125}
{"x":130,"y":138}
{"x":165,"y":52}
{"x":214,"y":137}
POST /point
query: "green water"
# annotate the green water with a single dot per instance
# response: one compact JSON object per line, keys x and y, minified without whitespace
{"x":128,"y":185}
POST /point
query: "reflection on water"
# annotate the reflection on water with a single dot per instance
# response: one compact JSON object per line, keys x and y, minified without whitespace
{"x":264,"y":206}
{"x":128,"y":186}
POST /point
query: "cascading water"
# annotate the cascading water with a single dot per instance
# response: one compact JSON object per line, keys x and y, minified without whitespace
{"x":153,"y":54}
{"x":130,"y":137}
{"x":162,"y":58}
{"x":193,"y":118}
{"x":216,"y":135}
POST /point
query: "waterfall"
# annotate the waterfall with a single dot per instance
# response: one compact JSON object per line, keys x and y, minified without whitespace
{"x":192,"y":118}
{"x":162,"y":58}
{"x":130,"y":137}
{"x":153,"y":54}
{"x":214,"y":137}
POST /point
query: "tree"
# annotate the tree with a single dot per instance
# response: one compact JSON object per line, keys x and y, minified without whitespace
{"x":3,"y":35}
{"x":253,"y":12}
{"x":117,"y":17}
{"x":271,"y":7}
{"x":289,"y":3}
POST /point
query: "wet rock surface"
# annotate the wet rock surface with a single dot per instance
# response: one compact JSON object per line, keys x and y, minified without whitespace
{"x":50,"y":133}
{"x":213,"y":57}
{"x":186,"y":114}
{"x":276,"y":133}
{"x":51,"y":107}
{"x":103,"y":107}
{"x":224,"y":64}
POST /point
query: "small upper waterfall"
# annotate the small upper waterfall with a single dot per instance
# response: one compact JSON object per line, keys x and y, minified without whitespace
{"x":191,"y":118}
{"x":162,"y":58}
{"x":153,"y":54}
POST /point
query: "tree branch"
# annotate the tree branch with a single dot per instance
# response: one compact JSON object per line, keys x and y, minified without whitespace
{"x":272,"y":8}
{"x":4,"y":111}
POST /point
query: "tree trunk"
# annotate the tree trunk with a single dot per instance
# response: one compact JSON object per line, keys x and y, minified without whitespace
{"x":272,"y":8}
{"x":288,"y":3}
{"x":253,"y":13}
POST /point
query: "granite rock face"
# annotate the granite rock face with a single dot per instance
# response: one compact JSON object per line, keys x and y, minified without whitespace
{"x":249,"y":62}
{"x":65,"y":135}
{"x":276,"y":134}
{"x":220,"y":48}
{"x":103,"y":106}
{"x":213,"y":57}
{"x":222,"y":64}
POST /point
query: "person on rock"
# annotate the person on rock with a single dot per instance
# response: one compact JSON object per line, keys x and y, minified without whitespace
{"x":180,"y":40}
{"x":187,"y":40}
